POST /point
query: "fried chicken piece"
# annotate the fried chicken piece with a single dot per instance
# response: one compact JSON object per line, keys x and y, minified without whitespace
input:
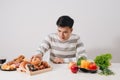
{"x":11,"y":65}
{"x":8,"y":67}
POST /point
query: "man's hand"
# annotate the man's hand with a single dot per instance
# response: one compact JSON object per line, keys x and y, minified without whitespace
{"x":37,"y":56}
{"x":58,"y":60}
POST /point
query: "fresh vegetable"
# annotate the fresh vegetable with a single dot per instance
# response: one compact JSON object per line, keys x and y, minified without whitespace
{"x":79,"y":60}
{"x":92,"y":66}
{"x":106,"y":72}
{"x":103,"y":61}
{"x":84,"y":64}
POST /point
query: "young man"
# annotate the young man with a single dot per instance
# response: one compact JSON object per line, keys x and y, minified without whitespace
{"x":63,"y":45}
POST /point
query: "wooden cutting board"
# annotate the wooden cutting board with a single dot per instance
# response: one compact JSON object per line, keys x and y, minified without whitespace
{"x":34,"y":72}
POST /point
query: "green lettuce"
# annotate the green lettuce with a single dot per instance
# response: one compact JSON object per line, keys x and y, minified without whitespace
{"x":103,"y":60}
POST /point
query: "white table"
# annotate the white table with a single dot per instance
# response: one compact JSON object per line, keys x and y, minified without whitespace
{"x":61,"y":72}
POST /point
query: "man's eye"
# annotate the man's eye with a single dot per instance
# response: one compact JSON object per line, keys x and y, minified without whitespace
{"x":59,"y":31}
{"x":65,"y":32}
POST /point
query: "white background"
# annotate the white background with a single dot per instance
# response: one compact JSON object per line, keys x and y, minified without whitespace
{"x":25,"y":23}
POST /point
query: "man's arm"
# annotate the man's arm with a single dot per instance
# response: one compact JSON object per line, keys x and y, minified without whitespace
{"x":81,"y":52}
{"x":43,"y":48}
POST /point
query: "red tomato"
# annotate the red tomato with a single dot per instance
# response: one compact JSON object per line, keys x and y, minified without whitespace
{"x":92,"y":66}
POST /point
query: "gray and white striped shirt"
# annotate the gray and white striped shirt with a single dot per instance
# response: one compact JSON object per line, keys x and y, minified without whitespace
{"x":71,"y":48}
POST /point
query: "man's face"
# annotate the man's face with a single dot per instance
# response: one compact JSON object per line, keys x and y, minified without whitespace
{"x":64,"y":33}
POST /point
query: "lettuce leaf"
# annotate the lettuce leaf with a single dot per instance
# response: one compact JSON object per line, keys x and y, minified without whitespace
{"x":103,"y":60}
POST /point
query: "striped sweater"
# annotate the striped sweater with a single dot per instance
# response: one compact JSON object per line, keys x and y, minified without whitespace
{"x":71,"y":48}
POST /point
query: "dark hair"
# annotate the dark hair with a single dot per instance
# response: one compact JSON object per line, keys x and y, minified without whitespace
{"x":64,"y":21}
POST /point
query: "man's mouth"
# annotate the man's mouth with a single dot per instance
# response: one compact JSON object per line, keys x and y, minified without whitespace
{"x":63,"y":38}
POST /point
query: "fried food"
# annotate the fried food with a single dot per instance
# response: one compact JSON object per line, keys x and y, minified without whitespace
{"x":33,"y":65}
{"x":20,"y":62}
{"x":8,"y":67}
{"x":39,"y":64}
{"x":12,"y":65}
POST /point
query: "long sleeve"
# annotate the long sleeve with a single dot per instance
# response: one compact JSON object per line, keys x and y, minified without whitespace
{"x":80,"y":49}
{"x":45,"y":46}
{"x":71,"y":48}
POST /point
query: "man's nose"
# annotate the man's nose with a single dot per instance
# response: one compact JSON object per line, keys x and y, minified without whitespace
{"x":62,"y":34}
